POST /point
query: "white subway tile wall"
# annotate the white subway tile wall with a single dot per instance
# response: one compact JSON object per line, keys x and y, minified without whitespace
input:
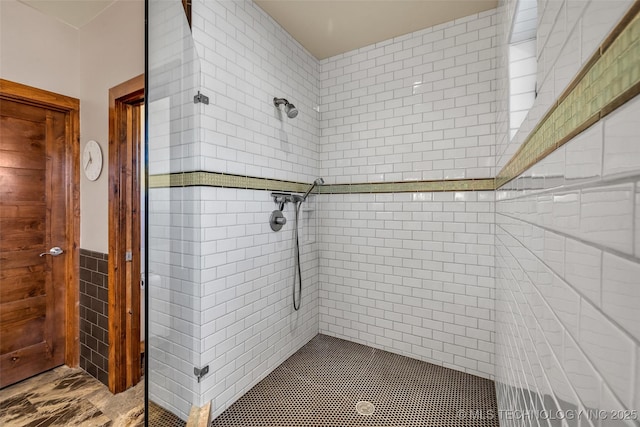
{"x":249,"y":325}
{"x":174,"y":78}
{"x":567,"y":262}
{"x":247,"y":59}
{"x":244,"y":134}
{"x":568,"y":35}
{"x":528,"y":288}
{"x":411,"y":273}
{"x":174,"y":214}
{"x":420,"y":106}
{"x":621,"y":149}
{"x":174,"y":298}
{"x":212,"y":269}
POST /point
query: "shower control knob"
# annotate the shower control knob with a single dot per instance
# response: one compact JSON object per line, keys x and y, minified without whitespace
{"x":277,"y":220}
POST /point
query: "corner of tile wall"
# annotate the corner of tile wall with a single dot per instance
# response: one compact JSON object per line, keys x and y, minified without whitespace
{"x":567,"y":329}
{"x":411,"y":273}
{"x":247,"y":325}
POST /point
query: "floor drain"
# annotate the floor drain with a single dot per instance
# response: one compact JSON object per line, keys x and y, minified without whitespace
{"x":365,"y":408}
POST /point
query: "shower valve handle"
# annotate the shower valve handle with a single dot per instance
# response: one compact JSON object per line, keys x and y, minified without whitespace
{"x":277,"y":220}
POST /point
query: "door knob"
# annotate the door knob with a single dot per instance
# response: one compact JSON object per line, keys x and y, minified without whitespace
{"x":55,"y":251}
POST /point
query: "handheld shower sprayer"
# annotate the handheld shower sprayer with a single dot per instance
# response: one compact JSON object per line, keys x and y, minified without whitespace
{"x":298,"y":301}
{"x":277,"y":220}
{"x":289,"y":108}
{"x":318,"y":181}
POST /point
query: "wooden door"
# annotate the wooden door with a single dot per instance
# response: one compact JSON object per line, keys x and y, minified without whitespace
{"x":33,"y":213}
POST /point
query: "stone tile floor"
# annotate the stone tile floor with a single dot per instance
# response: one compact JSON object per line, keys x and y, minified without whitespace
{"x":71,"y":397}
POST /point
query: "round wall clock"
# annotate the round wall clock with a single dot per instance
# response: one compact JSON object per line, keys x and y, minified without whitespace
{"x":92,"y":160}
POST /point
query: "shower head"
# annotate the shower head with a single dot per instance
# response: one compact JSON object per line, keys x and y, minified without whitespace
{"x":289,"y":108}
{"x":318,"y":181}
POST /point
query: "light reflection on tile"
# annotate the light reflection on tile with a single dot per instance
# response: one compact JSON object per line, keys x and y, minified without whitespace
{"x":583,"y":269}
{"x":545,"y":210}
{"x":549,"y":359}
{"x":554,"y":252}
{"x":554,"y":169}
{"x":611,"y":405}
{"x":636,"y":403}
{"x":565,"y":303}
{"x":621,"y":147}
{"x":606,"y":216}
{"x":637,"y":223}
{"x":609,"y":349}
{"x":621,"y":292}
{"x":551,"y":329}
{"x":584,"y":155}
{"x":581,"y":374}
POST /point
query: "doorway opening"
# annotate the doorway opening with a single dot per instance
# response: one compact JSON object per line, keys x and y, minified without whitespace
{"x":126,"y":130}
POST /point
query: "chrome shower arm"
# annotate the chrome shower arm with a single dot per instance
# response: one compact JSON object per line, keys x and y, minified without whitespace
{"x":290,"y":109}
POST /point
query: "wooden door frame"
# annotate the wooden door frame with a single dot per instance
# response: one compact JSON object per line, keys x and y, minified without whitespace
{"x":71,"y":108}
{"x":186,"y":4}
{"x":124,"y":301}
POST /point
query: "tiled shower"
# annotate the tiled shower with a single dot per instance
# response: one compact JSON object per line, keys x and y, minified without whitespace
{"x":408,"y":247}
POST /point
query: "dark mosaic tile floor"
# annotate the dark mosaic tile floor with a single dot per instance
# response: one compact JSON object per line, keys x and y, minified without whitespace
{"x":320,"y":385}
{"x":160,"y":417}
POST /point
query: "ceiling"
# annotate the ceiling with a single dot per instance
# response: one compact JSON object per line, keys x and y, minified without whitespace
{"x":76,"y":13}
{"x":324,"y":27}
{"x":330,"y":27}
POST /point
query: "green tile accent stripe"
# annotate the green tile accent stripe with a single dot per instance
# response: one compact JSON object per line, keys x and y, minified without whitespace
{"x":608,"y":80}
{"x":411,"y":186}
{"x":214,"y":179}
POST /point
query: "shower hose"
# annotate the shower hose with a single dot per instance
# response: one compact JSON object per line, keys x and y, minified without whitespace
{"x":296,"y":303}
